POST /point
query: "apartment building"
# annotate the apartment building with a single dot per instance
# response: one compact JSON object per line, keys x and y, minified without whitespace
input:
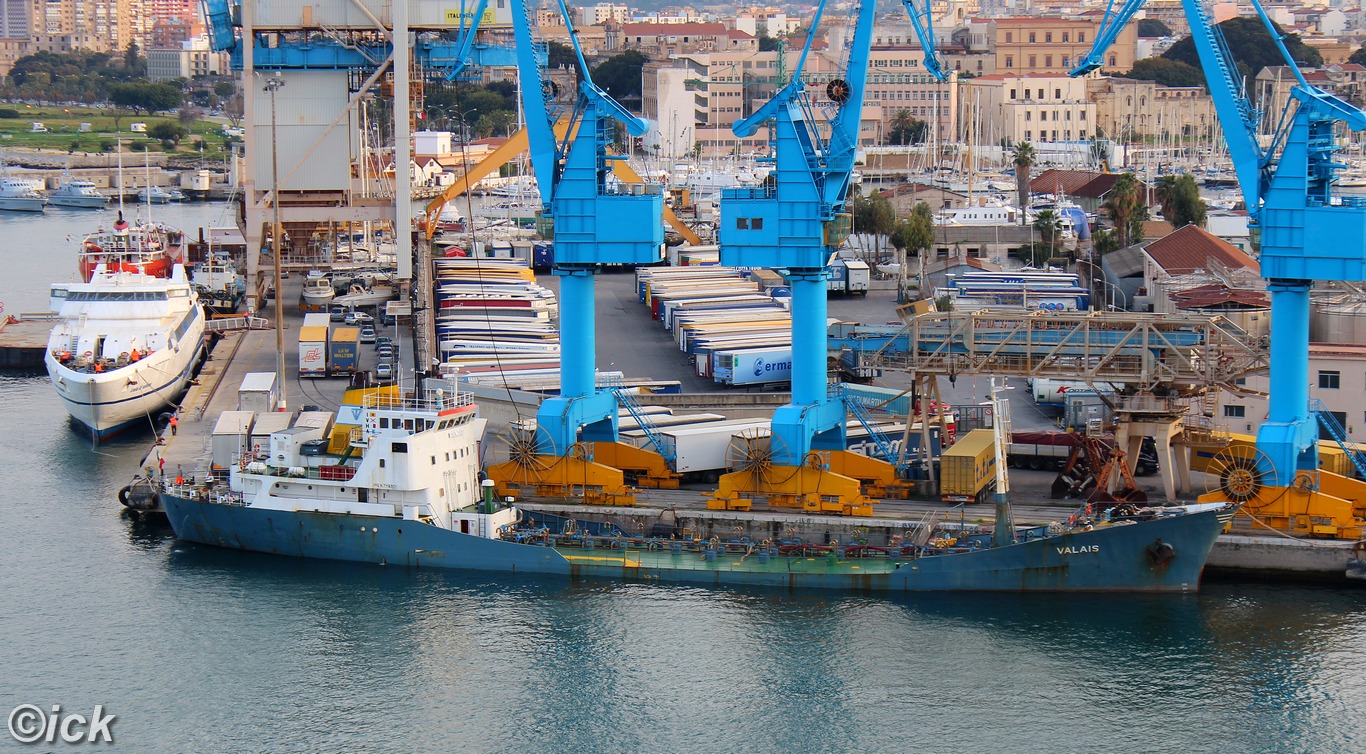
{"x":15,"y":24}
{"x":190,"y":59}
{"x":1031,"y":107}
{"x":1127,"y":109}
{"x":666,"y":40}
{"x":1054,"y":45}
{"x":99,"y":25}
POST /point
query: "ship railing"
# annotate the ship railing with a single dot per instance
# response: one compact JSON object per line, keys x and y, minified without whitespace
{"x":433,"y":401}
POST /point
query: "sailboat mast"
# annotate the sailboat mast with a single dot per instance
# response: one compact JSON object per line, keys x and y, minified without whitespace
{"x":122,"y":189}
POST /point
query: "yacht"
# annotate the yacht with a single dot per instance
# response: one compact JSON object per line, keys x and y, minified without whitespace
{"x":318,"y":294}
{"x":124,"y":346}
{"x":78,"y":194}
{"x":990,"y":214}
{"x":158,"y":195}
{"x":148,"y":248}
{"x":19,"y":196}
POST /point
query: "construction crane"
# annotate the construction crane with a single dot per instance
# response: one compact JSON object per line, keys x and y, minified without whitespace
{"x":1307,"y":233}
{"x":794,"y":221}
{"x":593,"y":221}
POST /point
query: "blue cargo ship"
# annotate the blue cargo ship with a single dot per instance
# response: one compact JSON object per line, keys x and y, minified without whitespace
{"x":406,"y":490}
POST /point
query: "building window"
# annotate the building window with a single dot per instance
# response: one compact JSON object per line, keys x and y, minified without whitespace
{"x":1010,"y":62}
{"x":1010,"y":37}
{"x":1064,"y":36}
{"x":1029,"y":136}
{"x":1040,"y":94}
{"x":1235,"y":412}
{"x":1012,"y":94}
{"x":1057,"y":94}
{"x":1027,"y":114}
{"x":1112,"y":61}
{"x":1081,"y":37}
{"x":1048,"y":37}
{"x":1031,"y":37}
{"x":1048,"y":61}
{"x":1034,"y":63}
{"x":1330,"y":380}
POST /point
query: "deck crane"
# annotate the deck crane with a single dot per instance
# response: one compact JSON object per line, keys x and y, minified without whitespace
{"x":1307,"y":233}
{"x":593,"y":221}
{"x":795,"y":221}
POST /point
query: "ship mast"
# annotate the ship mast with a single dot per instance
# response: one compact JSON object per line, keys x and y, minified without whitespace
{"x":1004,"y":532}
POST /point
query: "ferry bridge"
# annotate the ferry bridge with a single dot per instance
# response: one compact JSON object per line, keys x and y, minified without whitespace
{"x":1164,"y":361}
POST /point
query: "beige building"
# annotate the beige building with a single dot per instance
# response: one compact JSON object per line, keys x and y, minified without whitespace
{"x":98,"y":25}
{"x":1337,"y":376}
{"x":667,"y":40}
{"x":1127,"y":109}
{"x":1033,"y":108}
{"x":1055,"y":45}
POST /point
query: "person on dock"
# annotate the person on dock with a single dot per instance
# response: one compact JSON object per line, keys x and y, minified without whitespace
{"x":175,"y":422}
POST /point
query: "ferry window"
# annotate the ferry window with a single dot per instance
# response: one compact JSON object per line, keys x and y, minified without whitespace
{"x":408,"y":424}
{"x":1330,"y":380}
{"x":400,"y":447}
{"x":384,"y":422}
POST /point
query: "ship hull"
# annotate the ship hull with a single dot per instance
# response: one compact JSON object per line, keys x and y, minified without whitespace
{"x":1108,"y":558}
{"x":108,"y":403}
{"x":79,"y":202}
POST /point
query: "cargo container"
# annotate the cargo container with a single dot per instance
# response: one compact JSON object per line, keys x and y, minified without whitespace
{"x":231,"y":437}
{"x":257,"y":392}
{"x":344,"y":353}
{"x":701,"y":452}
{"x":313,"y":351}
{"x":317,"y":318}
{"x":754,"y":366}
{"x":967,"y":471}
{"x":848,"y":277}
{"x":266,"y":425}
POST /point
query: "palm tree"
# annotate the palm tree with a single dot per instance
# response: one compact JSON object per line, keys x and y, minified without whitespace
{"x":1023,"y":161}
{"x":901,"y":124}
{"x":1049,"y":226}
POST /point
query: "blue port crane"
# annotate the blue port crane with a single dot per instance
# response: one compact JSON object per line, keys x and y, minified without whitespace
{"x":457,"y":54}
{"x":595,"y":220}
{"x":1307,"y":233}
{"x":795,"y":221}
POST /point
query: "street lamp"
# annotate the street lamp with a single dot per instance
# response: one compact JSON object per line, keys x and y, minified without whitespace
{"x":272,"y":86}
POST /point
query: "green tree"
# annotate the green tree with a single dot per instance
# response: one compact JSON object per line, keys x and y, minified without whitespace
{"x":168,"y":132}
{"x":1104,"y":241}
{"x":911,"y":235}
{"x":1251,"y":47}
{"x":1049,"y":227}
{"x":619,"y":75}
{"x":1152,"y":27}
{"x":1023,"y":160}
{"x":496,"y":123}
{"x":145,"y":98}
{"x":767,"y":43}
{"x":1166,"y":72}
{"x":1127,"y":210}
{"x":1180,"y":200}
{"x":1358,"y":57}
{"x":873,"y":214}
{"x":562,"y":56}
{"x":225,"y":89}
{"x":905,"y":128}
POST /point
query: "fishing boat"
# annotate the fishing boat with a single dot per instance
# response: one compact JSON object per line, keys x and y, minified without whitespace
{"x":220,"y":286}
{"x":77,"y":194}
{"x":19,"y":196}
{"x":406,"y":490}
{"x":146,"y":248}
{"x":124,"y":346}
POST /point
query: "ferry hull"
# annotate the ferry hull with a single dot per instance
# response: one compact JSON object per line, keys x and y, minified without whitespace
{"x":1108,"y":558}
{"x":104,"y":404}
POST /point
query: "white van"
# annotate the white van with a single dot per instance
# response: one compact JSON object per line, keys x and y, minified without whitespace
{"x":138,"y":128}
{"x":38,"y":128}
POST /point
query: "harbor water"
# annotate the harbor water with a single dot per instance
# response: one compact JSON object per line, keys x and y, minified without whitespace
{"x":198,"y":649}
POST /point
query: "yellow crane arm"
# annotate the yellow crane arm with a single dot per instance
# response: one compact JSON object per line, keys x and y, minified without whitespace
{"x":504,"y":154}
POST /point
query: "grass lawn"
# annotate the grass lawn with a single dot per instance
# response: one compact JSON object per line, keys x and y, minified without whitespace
{"x":63,"y":130}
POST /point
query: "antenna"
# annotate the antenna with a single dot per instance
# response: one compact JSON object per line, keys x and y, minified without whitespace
{"x":148,"y":156}
{"x":122,"y":188}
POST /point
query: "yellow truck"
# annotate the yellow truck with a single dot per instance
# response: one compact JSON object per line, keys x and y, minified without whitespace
{"x":967,"y":470}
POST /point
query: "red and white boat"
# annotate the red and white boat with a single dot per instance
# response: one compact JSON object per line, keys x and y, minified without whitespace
{"x":148,"y":249}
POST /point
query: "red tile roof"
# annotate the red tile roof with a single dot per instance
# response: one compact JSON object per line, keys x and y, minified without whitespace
{"x":1191,"y":248}
{"x":1083,"y":183}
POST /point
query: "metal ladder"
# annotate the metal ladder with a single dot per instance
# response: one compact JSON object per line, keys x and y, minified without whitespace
{"x":1335,"y":430}
{"x":855,"y":403}
{"x":654,"y":439}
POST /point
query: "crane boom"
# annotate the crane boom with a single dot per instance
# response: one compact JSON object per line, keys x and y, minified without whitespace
{"x":922,"y":20}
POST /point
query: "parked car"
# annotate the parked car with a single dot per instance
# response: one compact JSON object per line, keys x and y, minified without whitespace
{"x":384,"y":371}
{"x":383,"y":340}
{"x":367,"y":334}
{"x":338,"y":313}
{"x":350,"y":317}
{"x":386,"y":352}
